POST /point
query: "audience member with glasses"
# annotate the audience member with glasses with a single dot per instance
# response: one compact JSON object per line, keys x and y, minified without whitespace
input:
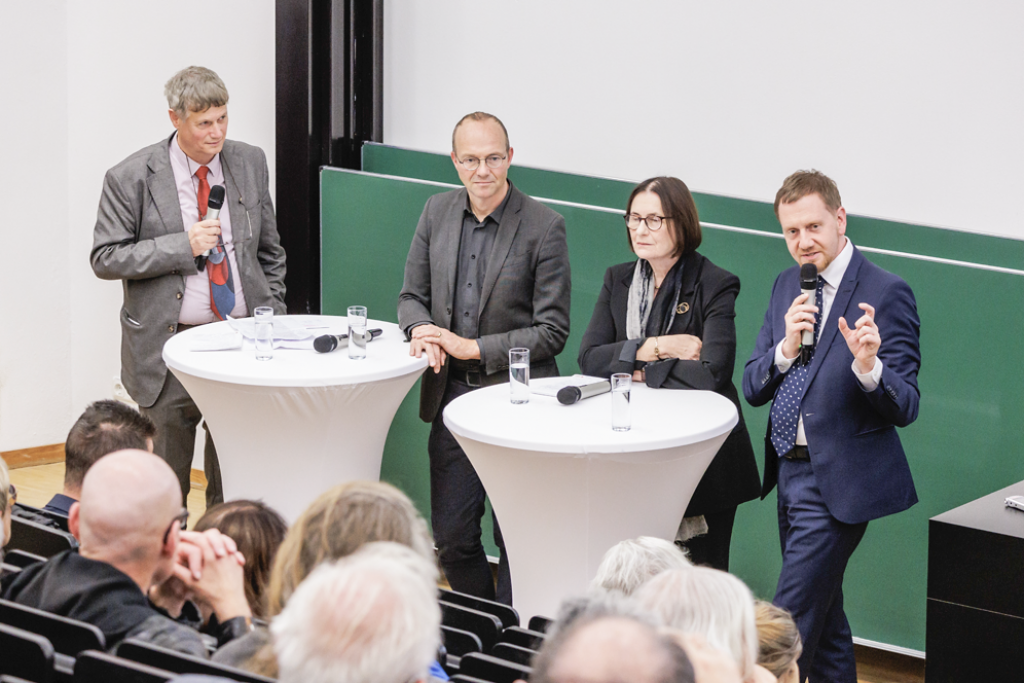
{"x":8,"y":497}
{"x":138,"y":573}
{"x":667,"y":318}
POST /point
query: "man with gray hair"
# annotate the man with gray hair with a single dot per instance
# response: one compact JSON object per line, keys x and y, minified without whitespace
{"x":629,"y":564}
{"x":179,"y":270}
{"x":371,"y":617}
{"x":610,"y":640}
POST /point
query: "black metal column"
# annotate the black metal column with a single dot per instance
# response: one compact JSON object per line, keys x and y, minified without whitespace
{"x":329,"y":101}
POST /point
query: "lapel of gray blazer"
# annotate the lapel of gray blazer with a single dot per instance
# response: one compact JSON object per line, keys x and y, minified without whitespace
{"x":502,"y":243}
{"x":451,"y":237}
{"x":162,"y":189}
{"x":234,"y":174}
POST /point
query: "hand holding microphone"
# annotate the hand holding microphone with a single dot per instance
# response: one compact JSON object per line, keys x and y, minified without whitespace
{"x":204,"y":235}
{"x":808,"y":286}
{"x":800,"y":316}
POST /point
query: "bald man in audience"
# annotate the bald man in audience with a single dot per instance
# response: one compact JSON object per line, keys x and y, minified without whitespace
{"x":137,"y":569}
{"x":611,"y":648}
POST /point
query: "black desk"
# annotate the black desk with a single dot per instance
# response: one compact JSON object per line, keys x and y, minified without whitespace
{"x":975,"y":628}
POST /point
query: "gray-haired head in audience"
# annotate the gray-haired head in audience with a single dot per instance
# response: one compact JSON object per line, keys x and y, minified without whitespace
{"x":629,"y":564}
{"x":6,"y":503}
{"x":371,"y":617}
{"x":608,"y":638}
{"x":710,"y":602}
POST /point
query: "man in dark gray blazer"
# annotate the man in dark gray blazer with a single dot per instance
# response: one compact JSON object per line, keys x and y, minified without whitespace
{"x":150,"y":235}
{"x":488,"y":271}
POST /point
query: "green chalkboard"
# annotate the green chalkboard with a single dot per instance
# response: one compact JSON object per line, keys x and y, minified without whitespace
{"x":965,"y":443}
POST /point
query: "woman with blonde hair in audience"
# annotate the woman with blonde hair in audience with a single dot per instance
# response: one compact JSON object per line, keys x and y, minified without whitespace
{"x":629,"y":564}
{"x":779,"y":644}
{"x":337,"y":524}
{"x":712,"y":604}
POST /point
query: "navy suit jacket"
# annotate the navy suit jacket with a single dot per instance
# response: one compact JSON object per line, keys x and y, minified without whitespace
{"x":858,"y":460}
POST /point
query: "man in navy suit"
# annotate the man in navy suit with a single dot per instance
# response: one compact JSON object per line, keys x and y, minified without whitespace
{"x":831,"y":443}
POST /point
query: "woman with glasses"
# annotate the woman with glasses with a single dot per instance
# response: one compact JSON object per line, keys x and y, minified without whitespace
{"x":667,"y":318}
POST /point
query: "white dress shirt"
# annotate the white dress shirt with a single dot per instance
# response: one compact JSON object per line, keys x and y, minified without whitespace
{"x":832,"y":275}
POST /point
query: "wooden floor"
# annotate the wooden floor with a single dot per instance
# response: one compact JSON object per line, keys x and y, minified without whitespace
{"x":36,"y":485}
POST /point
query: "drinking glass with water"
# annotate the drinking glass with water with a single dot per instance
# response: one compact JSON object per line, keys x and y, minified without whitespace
{"x":357,"y":332}
{"x":264,"y":319}
{"x":622,"y":384}
{"x":519,"y":375}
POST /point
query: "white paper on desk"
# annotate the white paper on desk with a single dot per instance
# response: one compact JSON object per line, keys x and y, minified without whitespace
{"x":549,"y":386}
{"x":283,"y":330}
{"x":223,"y":340}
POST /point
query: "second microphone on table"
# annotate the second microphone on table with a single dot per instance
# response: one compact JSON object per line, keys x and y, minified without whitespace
{"x":326,"y":343}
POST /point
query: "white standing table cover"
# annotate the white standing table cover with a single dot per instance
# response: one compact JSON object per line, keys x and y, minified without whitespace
{"x":566,"y":488}
{"x":290,"y":428}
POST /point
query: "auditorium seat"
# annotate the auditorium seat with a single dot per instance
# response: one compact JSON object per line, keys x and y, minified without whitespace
{"x":459,"y":678}
{"x":493,"y":669}
{"x":13,"y":679}
{"x":508,"y":616}
{"x":523,"y":637}
{"x":458,"y":642}
{"x":21,"y":558}
{"x":56,"y":517}
{"x":98,"y":667}
{"x":26,"y":655}
{"x":179,"y":663}
{"x":38,"y":539}
{"x":539,"y":623}
{"x":68,"y":636}
{"x":6,"y":569}
{"x":513,"y":653}
{"x":485,"y":626}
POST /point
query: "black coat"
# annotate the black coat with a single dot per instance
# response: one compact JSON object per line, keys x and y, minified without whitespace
{"x":709,"y":294}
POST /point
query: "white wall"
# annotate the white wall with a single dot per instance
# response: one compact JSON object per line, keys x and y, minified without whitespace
{"x":913,"y":107}
{"x":96,"y":97}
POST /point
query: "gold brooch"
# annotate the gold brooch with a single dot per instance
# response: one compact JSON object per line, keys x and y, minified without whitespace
{"x":682,"y":308}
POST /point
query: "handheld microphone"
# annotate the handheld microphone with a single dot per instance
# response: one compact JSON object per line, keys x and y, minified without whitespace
{"x":569,"y":395}
{"x":326,"y":343}
{"x":213,"y":207}
{"x":809,"y":286}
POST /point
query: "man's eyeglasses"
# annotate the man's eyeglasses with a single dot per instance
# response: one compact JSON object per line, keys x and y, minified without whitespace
{"x":181,"y":519}
{"x":653,"y":222}
{"x":493,"y":161}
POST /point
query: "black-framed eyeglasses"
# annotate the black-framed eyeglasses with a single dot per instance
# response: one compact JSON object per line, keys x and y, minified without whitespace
{"x":493,"y":161}
{"x":652,"y":222}
{"x":181,"y":519}
{"x":12,"y":494}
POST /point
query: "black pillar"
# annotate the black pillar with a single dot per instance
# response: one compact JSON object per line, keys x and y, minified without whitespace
{"x":329,"y":101}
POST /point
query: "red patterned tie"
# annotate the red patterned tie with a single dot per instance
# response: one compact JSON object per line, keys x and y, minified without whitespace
{"x":222,"y":286}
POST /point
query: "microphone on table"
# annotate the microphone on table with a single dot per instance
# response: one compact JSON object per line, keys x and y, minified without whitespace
{"x":808,"y":286}
{"x":213,"y":206}
{"x":326,"y":343}
{"x":569,"y":395}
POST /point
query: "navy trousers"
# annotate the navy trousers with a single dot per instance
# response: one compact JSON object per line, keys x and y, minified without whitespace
{"x":456,"y":508}
{"x":816,"y":548}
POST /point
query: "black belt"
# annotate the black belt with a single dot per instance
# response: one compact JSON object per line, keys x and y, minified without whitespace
{"x":798,"y":453}
{"x":471,"y":378}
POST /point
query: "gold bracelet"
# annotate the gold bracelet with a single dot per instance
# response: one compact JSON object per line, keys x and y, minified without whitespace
{"x":657,"y":351}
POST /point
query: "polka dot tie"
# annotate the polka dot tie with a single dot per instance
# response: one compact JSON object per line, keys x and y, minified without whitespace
{"x":785,"y":412}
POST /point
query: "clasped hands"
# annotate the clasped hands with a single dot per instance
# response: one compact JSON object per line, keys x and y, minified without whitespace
{"x":863,"y":340}
{"x":208,"y":571}
{"x":439,"y":343}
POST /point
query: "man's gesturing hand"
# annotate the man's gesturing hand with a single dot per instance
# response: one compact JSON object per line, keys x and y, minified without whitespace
{"x":863,"y":341}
